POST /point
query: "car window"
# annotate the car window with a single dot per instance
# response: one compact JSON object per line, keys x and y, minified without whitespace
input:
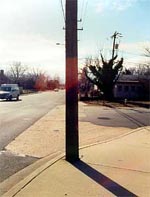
{"x":6,"y":88}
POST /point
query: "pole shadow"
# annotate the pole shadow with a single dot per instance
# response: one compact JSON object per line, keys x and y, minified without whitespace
{"x":103,"y":180}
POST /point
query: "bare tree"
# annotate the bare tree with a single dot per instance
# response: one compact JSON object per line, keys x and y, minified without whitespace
{"x":147,"y":51}
{"x":32,"y":76}
{"x":41,"y":83}
{"x":104,"y":73}
{"x":17,"y":72}
{"x":144,"y":68}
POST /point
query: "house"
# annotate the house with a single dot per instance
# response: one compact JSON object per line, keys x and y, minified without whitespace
{"x":3,"y":78}
{"x":129,"y":90}
{"x":134,"y":87}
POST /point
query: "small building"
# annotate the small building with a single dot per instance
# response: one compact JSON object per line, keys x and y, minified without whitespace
{"x":129,"y":90}
{"x":3,"y":78}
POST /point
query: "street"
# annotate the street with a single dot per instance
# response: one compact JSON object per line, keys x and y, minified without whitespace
{"x":15,"y":117}
{"x":102,"y":123}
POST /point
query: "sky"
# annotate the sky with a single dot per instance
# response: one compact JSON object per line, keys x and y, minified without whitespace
{"x":30,"y":29}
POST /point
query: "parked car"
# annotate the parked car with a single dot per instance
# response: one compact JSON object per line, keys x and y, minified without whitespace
{"x":9,"y":91}
{"x":56,"y":89}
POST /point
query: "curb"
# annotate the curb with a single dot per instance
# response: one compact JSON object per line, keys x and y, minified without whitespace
{"x":21,"y":175}
{"x":20,"y":185}
{"x":112,"y":139}
{"x":140,"y":104}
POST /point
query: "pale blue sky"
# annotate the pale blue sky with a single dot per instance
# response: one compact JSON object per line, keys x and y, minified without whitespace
{"x":30,"y":29}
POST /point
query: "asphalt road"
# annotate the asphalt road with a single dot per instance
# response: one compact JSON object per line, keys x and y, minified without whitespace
{"x":15,"y":117}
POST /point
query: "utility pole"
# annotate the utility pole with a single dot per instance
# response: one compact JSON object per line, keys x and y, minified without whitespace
{"x":72,"y":139}
{"x":114,"y":36}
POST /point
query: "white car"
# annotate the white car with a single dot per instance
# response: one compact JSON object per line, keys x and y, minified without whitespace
{"x":9,"y":91}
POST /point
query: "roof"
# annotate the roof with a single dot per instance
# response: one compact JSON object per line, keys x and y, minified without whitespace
{"x":128,"y":82}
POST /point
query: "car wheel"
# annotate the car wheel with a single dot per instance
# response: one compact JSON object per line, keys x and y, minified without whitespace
{"x":17,"y":98}
{"x":10,"y":98}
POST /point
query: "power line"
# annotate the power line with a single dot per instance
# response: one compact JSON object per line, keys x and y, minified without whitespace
{"x":135,"y":54}
{"x":127,"y":52}
{"x":84,"y":11}
{"x":82,"y":6}
{"x":63,"y":11}
{"x":83,"y":14}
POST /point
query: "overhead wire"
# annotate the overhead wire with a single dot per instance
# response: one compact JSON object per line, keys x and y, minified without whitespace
{"x":82,"y":6}
{"x":82,"y":15}
{"x":127,"y":52}
{"x":135,"y":54}
{"x":84,"y":12}
{"x":63,"y":10}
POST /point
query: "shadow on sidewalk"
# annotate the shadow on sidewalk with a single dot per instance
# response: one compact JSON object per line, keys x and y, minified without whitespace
{"x":101,"y":179}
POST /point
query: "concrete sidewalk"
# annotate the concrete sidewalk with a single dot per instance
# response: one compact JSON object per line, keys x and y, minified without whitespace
{"x":120,"y":167}
{"x":47,"y":135}
{"x":117,"y":162}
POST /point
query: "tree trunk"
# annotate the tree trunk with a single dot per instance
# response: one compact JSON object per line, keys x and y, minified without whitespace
{"x":108,"y":93}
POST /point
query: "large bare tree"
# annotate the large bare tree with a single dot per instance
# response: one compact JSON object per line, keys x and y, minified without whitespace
{"x":104,"y":73}
{"x":17,"y":72}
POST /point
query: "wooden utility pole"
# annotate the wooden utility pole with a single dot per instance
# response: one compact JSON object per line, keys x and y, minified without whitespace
{"x":72,"y":139}
{"x":114,"y":36}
